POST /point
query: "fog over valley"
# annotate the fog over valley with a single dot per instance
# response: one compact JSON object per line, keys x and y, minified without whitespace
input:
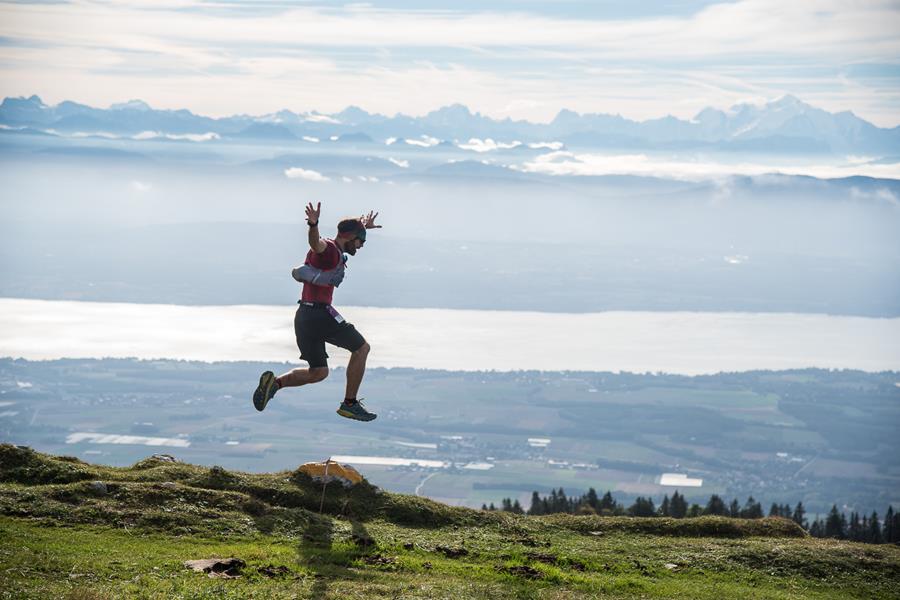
{"x":470,"y":222}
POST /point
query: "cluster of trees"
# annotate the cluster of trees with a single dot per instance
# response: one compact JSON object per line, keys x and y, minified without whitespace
{"x":869,"y":529}
{"x":507,"y":506}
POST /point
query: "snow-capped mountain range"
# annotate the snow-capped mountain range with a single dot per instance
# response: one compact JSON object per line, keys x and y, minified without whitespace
{"x":786,"y":125}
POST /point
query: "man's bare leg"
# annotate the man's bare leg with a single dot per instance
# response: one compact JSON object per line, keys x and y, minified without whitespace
{"x":351,"y":407}
{"x":298,"y":377}
{"x":269,"y":384}
{"x":356,"y":368}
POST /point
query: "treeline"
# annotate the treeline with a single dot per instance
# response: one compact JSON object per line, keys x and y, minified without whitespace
{"x":859,"y":528}
{"x":868,"y":529}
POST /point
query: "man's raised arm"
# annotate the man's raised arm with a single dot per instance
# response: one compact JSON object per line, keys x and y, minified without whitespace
{"x":312,"y":219}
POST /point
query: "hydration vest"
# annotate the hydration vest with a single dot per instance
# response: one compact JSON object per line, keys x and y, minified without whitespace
{"x":310,"y":274}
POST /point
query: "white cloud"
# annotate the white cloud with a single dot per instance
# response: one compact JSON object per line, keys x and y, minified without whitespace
{"x":808,"y":26}
{"x":487,"y":145}
{"x":307,"y":174}
{"x":141,"y":187}
{"x":100,"y":134}
{"x":147,"y":135}
{"x":400,"y":163}
{"x":547,"y":145}
{"x":192,"y":137}
{"x":425,"y":141}
{"x":310,"y":138}
{"x":690,"y":168}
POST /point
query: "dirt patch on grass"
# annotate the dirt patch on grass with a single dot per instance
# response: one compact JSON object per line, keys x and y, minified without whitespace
{"x":450,"y":552}
{"x":523,"y":571}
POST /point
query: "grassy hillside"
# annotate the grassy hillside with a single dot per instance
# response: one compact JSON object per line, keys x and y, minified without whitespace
{"x":74,"y":530}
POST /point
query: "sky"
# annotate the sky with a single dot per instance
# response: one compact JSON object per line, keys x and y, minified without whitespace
{"x":522,"y":59}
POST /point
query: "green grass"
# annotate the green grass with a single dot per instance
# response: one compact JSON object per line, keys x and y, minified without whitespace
{"x":62,"y":538}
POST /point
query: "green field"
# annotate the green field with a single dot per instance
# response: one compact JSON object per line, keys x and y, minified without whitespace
{"x":64,"y":536}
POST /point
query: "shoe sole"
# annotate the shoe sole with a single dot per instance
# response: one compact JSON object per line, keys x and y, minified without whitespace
{"x":261,"y":396}
{"x":350,"y":415}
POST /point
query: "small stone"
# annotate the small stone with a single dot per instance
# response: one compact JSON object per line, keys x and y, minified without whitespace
{"x":226,"y":568}
{"x":671,"y":566}
{"x":98,"y":487}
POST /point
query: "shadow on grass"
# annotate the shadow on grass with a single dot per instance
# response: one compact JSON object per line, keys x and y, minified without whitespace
{"x":329,"y":560}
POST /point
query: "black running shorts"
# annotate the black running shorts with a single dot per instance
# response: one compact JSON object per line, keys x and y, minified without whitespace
{"x":314,"y":325}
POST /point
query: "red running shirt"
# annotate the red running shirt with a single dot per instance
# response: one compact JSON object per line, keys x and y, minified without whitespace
{"x":326,"y":261}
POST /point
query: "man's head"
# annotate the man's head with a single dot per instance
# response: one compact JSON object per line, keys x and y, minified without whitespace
{"x":352,"y":233}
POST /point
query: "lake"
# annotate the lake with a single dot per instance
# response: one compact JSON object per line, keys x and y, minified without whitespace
{"x":468,"y":340}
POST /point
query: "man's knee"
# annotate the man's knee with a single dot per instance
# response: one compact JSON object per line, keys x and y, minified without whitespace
{"x":363,"y":350}
{"x":318,"y":374}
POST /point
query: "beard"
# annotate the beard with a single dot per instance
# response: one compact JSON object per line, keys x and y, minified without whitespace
{"x":350,"y":249}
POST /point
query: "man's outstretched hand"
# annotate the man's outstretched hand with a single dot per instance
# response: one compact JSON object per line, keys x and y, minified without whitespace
{"x":368,"y":220}
{"x":312,"y":213}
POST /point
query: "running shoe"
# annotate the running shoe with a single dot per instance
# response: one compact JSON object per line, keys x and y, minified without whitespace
{"x":265,"y":390}
{"x":355,"y":411}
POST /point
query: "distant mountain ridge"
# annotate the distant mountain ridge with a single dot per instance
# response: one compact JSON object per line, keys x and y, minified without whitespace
{"x":786,"y":125}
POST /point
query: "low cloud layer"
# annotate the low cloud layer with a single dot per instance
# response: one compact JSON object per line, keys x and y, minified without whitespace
{"x":693,"y":168}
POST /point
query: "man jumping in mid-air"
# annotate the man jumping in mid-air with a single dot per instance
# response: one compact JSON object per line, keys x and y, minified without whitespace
{"x":317,"y":322}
